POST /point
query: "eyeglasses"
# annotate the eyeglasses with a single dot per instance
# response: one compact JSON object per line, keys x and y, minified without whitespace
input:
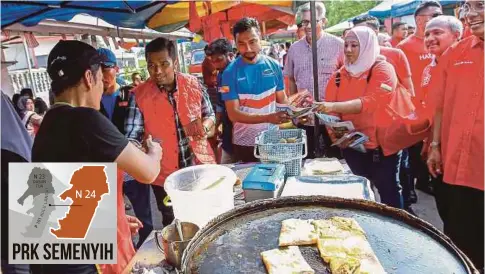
{"x":476,"y":7}
{"x":305,"y":23}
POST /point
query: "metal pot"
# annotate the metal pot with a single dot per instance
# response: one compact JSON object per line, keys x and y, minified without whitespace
{"x":171,"y":245}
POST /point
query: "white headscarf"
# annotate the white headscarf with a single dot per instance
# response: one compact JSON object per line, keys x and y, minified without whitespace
{"x":369,"y":50}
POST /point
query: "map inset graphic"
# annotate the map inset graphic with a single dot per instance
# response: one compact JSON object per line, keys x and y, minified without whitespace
{"x":62,"y":213}
{"x":40,"y":187}
{"x":88,"y":185}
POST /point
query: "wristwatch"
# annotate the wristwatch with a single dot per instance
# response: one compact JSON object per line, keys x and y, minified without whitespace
{"x":434,"y":144}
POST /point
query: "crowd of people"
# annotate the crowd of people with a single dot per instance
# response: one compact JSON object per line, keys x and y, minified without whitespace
{"x":171,"y":121}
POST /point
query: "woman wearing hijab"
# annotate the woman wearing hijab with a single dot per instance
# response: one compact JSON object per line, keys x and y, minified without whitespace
{"x":363,"y":85}
{"x":30,"y":119}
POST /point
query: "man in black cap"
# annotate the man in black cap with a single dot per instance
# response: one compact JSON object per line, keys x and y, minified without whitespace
{"x":75,"y":131}
{"x":114,"y":105}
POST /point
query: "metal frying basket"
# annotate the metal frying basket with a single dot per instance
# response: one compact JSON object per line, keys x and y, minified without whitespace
{"x":269,"y":149}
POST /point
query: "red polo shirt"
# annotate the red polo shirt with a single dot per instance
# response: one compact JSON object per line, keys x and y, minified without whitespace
{"x":458,"y":81}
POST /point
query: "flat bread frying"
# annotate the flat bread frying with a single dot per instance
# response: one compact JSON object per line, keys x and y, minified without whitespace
{"x":297,"y":232}
{"x":338,"y":227}
{"x":349,"y":255}
{"x":286,"y":260}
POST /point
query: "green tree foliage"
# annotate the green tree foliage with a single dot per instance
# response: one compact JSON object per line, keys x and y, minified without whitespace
{"x":339,"y":10}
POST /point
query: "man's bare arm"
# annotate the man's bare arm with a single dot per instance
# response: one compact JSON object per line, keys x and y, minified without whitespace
{"x":293,"y":89}
{"x":238,"y":116}
{"x":281,"y":97}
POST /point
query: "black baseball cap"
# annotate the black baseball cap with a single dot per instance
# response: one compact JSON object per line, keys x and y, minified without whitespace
{"x":68,"y":61}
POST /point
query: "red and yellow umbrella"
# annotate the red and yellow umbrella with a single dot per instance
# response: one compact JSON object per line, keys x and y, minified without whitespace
{"x":215,"y":18}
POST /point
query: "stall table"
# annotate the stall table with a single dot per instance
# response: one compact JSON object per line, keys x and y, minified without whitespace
{"x":150,"y":260}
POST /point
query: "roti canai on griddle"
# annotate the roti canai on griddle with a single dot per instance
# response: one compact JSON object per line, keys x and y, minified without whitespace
{"x":338,"y":227}
{"x":287,"y":260}
{"x":297,"y":232}
{"x":343,"y":244}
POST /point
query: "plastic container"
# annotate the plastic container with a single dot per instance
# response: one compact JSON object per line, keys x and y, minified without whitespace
{"x":270,"y":149}
{"x":265,"y":181}
{"x":200,"y":193}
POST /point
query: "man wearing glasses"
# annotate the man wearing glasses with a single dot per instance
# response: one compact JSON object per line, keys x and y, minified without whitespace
{"x":419,"y":58}
{"x":298,"y":68}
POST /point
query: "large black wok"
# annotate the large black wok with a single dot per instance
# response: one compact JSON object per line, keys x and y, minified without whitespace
{"x":232,"y":242}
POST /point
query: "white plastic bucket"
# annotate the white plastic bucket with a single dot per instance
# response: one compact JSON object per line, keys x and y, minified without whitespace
{"x":200,"y":193}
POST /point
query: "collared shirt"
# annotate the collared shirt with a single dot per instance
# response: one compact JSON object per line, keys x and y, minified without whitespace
{"x":429,"y":98}
{"x":459,"y":82}
{"x":418,"y":57}
{"x":135,"y":125}
{"x":299,"y":63}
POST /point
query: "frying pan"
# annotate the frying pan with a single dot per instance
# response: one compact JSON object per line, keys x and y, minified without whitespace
{"x":232,"y":242}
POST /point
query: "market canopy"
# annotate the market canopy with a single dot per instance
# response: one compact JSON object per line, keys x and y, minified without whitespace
{"x":127,"y":14}
{"x":383,"y":10}
{"x":215,"y":18}
{"x":398,"y":8}
{"x":409,"y":6}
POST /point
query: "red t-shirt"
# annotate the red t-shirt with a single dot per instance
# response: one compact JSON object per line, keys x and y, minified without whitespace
{"x":395,"y":42}
{"x":398,"y":60}
{"x":418,"y":57}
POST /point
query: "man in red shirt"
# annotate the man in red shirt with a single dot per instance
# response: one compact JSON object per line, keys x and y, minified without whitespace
{"x":457,"y":147}
{"x":399,"y":32}
{"x":441,"y":32}
{"x":419,"y":58}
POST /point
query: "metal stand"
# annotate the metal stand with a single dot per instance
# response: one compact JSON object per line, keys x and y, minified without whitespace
{"x":318,"y":149}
